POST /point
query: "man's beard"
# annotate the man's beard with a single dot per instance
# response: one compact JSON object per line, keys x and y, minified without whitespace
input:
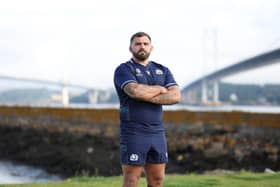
{"x":141,"y":55}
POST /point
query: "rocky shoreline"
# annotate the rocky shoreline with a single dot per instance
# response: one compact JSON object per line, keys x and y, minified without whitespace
{"x":73,"y":142}
{"x":65,"y":154}
{"x":192,"y":148}
{"x":202,"y":147}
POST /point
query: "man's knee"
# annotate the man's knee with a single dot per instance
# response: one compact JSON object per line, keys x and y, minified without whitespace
{"x":130,"y":180}
{"x":155,"y":181}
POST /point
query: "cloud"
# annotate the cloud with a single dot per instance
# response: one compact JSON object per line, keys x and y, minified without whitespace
{"x":85,"y":40}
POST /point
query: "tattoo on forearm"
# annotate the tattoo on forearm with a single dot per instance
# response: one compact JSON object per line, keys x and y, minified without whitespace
{"x":129,"y":89}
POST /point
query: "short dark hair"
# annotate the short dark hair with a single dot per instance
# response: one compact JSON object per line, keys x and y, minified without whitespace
{"x":139,"y":34}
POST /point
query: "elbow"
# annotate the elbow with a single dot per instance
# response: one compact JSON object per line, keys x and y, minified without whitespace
{"x":131,"y":90}
{"x":176,"y":95}
{"x":133,"y":93}
{"x":177,"y":98}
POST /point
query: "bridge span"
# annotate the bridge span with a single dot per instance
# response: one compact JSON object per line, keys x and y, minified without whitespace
{"x":213,"y":79}
{"x":92,"y":95}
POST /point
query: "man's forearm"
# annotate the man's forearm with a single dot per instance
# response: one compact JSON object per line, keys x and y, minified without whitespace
{"x":143,"y":92}
{"x":172,"y":96}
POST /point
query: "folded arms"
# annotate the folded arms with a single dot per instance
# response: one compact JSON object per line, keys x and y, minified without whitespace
{"x":154,"y":94}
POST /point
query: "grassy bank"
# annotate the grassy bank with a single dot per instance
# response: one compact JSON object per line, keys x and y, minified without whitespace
{"x":242,"y":179}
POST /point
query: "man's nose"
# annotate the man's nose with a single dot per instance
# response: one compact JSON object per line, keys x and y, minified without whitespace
{"x":142,"y":45}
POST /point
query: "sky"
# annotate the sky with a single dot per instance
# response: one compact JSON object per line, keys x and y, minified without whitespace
{"x":83,"y":41}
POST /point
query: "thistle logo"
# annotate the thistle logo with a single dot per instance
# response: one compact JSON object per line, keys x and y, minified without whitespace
{"x":133,"y":157}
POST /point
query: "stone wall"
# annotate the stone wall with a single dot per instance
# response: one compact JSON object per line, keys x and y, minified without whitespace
{"x":86,"y":141}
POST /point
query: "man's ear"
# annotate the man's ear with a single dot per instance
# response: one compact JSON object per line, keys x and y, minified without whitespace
{"x":152,"y":47}
{"x":130,"y":48}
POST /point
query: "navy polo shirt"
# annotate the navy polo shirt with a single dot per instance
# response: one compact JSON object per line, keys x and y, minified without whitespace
{"x":140,"y":117}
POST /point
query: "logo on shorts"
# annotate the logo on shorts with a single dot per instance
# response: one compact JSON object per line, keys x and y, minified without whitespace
{"x":133,"y":157}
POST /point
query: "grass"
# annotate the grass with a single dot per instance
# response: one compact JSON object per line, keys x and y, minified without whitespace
{"x":242,"y":179}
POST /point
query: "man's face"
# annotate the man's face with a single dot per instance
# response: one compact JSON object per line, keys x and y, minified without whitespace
{"x":141,"y":48}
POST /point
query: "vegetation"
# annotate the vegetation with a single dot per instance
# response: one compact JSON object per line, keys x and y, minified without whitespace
{"x":243,"y":179}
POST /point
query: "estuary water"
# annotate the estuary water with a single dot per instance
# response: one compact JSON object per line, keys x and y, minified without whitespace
{"x":227,"y":108}
{"x":11,"y":173}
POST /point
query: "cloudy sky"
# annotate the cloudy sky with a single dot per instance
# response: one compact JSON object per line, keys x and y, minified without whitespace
{"x":83,"y":41}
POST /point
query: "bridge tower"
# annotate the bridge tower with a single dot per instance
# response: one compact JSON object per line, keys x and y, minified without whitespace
{"x":210,"y":92}
{"x":204,"y":92}
{"x":216,"y":91}
{"x":209,"y":89}
{"x":65,"y":96}
{"x":93,"y":96}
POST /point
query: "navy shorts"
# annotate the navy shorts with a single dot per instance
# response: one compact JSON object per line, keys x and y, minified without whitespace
{"x":139,"y":150}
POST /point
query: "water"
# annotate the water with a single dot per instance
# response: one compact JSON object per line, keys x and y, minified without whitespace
{"x":11,"y":173}
{"x":226,"y":108}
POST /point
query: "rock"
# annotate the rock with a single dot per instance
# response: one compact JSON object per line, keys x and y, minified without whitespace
{"x":179,"y":157}
{"x":216,"y":150}
{"x":90,"y":150}
{"x":271,"y":149}
{"x":273,"y":157}
{"x":231,"y":142}
{"x":196,"y":129}
{"x":199,"y":144}
{"x":238,"y":154}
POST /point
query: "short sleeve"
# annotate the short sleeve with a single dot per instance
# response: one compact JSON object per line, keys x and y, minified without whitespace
{"x":123,"y":75}
{"x":169,"y":79}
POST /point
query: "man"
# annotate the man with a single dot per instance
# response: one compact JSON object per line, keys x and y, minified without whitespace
{"x":143,"y":86}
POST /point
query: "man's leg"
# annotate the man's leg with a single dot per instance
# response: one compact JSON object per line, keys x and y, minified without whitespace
{"x":131,"y":175}
{"x":155,"y":174}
